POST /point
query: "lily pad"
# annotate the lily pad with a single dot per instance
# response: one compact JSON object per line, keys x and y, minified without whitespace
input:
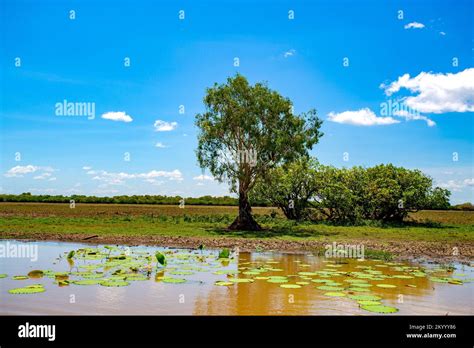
{"x":86,"y":282}
{"x":114,"y":283}
{"x":290,"y":286}
{"x":30,"y":289}
{"x":223,"y":283}
{"x":181,"y":272}
{"x":20,"y":277}
{"x":277,"y":280}
{"x":3,"y":275}
{"x":357,"y":289}
{"x":365,"y":297}
{"x":386,"y":286}
{"x":335,"y":294}
{"x":329,"y":288}
{"x":307,"y":273}
{"x":379,"y":308}
{"x":368,"y":303}
{"x":241,"y":280}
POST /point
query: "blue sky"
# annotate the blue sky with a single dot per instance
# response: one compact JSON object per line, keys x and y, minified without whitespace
{"x":344,"y":58}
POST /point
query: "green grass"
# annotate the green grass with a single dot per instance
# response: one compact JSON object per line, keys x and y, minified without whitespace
{"x":215,"y":226}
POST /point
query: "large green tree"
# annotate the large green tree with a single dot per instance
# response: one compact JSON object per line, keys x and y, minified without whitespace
{"x":247,"y":130}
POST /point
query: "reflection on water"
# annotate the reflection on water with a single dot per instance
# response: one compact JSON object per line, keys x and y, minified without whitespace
{"x":200,"y":296}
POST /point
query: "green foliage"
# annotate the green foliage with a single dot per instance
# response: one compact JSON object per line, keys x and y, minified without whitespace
{"x":349,"y":195}
{"x":464,"y":206}
{"x":383,"y":192}
{"x":290,"y":187}
{"x":144,"y":199}
{"x":224,"y":253}
{"x":438,"y":199}
{"x":70,"y":255}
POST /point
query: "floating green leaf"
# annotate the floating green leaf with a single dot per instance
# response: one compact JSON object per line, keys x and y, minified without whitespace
{"x":386,"y":286}
{"x":357,"y":289}
{"x":114,"y":283}
{"x":335,"y":294}
{"x":365,"y":297}
{"x":223,"y":283}
{"x":241,"y":280}
{"x":379,"y":308}
{"x":87,"y":282}
{"x":368,"y":303}
{"x":290,"y":286}
{"x":329,"y":288}
{"x":19,"y":277}
{"x":173,"y":280}
{"x":277,"y":280}
{"x":30,"y":289}
{"x":224,"y":253}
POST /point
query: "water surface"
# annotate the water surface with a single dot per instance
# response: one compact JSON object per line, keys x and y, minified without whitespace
{"x":199,"y":294}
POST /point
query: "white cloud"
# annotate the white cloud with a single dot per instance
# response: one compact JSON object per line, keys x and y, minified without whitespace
{"x":457,"y":185}
{"x":414,"y":25}
{"x":203,"y":177}
{"x":468,"y":182}
{"x":20,"y":171}
{"x":120,"y":116}
{"x":413,"y":117}
{"x":163,"y":126}
{"x":86,"y":168}
{"x":362,"y":117}
{"x":42,"y":176}
{"x":160,"y":145}
{"x":437,"y":93}
{"x":289,"y":53}
{"x":119,"y":178}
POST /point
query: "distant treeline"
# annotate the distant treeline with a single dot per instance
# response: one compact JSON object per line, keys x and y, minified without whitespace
{"x":135,"y":199}
{"x":151,"y":199}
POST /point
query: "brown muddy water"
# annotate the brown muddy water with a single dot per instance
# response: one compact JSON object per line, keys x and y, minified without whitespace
{"x":124,"y":280}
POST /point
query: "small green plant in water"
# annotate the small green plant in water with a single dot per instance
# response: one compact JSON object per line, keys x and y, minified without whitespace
{"x":224,"y":253}
{"x":160,"y":258}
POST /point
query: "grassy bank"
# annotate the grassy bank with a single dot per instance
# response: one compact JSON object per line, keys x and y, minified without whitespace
{"x":426,"y":233}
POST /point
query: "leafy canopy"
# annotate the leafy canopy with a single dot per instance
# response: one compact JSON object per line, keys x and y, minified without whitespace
{"x":246,"y":130}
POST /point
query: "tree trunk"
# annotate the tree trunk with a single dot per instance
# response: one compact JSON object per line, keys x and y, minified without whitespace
{"x":244,"y":220}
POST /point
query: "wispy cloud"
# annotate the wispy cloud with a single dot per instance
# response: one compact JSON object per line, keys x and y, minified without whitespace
{"x":119,"y":116}
{"x":203,"y":177}
{"x":163,"y":126}
{"x":414,"y":25}
{"x":20,"y":171}
{"x":112,"y":178}
{"x":457,"y":185}
{"x":160,"y":145}
{"x":289,"y":53}
{"x":362,"y":117}
{"x":414,"y":117}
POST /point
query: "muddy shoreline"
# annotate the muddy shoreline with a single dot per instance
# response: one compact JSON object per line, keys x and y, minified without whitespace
{"x":401,"y":250}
